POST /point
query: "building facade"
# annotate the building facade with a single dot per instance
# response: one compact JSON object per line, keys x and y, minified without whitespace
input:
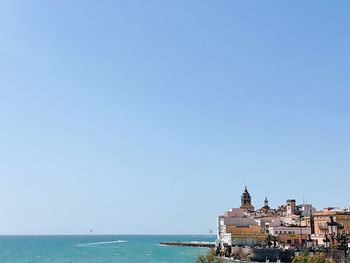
{"x":291,"y":236}
{"x":322,"y":218}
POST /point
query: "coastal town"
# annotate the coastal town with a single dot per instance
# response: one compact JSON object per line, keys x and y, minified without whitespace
{"x":283,"y":231}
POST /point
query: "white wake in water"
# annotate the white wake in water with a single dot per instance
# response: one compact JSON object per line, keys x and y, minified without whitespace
{"x":101,"y":243}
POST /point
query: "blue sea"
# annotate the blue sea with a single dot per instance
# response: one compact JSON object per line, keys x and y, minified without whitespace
{"x":93,"y":248}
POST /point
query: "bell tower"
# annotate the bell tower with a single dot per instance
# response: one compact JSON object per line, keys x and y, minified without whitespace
{"x":246,"y":200}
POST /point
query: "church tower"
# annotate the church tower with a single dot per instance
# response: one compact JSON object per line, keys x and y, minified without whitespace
{"x":266,"y":204}
{"x":246,"y":200}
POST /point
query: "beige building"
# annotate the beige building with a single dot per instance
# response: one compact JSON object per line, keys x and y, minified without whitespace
{"x":320,"y":220}
{"x":291,"y":236}
{"x":245,"y":231}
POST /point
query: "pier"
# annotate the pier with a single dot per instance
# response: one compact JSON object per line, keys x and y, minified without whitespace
{"x":189,"y":244}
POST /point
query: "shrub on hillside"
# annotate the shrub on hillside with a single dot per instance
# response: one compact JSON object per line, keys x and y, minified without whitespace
{"x":209,"y":258}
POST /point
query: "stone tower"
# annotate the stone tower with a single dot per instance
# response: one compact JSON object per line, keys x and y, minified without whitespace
{"x":246,"y":200}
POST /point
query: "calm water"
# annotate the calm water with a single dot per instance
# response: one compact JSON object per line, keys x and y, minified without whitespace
{"x":97,"y":249}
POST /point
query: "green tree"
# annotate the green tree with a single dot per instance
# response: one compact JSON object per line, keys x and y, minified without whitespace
{"x":314,"y":258}
{"x":209,"y":258}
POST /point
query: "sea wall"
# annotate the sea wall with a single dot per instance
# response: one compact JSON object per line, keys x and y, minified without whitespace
{"x":273,"y":254}
{"x":260,"y":255}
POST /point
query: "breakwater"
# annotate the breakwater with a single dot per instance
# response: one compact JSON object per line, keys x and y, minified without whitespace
{"x":189,"y":244}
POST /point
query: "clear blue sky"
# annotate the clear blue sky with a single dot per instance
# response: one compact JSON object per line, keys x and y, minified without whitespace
{"x":151,"y":116}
